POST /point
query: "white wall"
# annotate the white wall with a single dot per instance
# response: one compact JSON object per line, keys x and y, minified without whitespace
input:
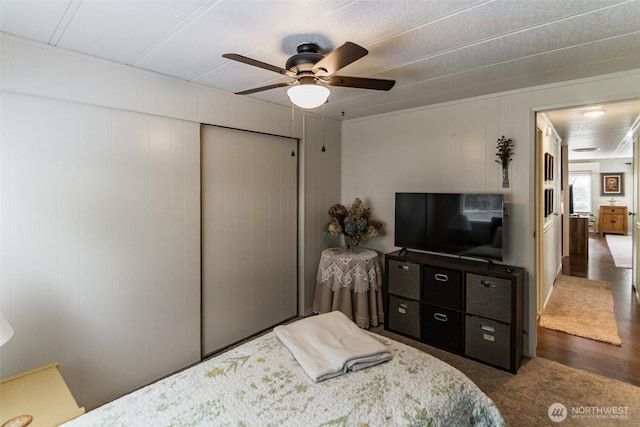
{"x":100,"y":241}
{"x":322,"y":189}
{"x":100,"y":213}
{"x":451,"y":147}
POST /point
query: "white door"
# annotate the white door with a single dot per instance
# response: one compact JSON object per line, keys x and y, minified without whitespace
{"x":249,"y":234}
{"x":635,"y":218}
{"x":548,"y":215}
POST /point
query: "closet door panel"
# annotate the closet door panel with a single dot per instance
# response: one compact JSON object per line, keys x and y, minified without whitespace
{"x":249,"y":223}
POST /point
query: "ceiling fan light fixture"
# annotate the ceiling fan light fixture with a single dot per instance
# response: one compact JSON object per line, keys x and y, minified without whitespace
{"x":308,"y":96}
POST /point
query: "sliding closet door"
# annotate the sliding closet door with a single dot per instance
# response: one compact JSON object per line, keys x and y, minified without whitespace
{"x":249,"y":229}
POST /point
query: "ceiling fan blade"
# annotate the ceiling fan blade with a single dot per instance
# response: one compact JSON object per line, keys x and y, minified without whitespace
{"x":339,"y":58}
{"x":360,"y":82}
{"x":259,"y":64}
{"x":261,"y":88}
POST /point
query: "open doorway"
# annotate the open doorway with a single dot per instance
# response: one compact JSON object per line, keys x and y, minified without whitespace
{"x":584,"y":152}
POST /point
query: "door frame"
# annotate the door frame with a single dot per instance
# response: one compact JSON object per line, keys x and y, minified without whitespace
{"x":538,"y":174}
{"x":635,"y":219}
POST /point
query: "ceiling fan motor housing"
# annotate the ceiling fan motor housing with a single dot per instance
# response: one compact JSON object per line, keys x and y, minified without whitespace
{"x":306,"y":57}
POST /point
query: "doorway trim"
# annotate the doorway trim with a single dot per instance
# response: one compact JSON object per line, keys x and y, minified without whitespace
{"x":539,"y":208}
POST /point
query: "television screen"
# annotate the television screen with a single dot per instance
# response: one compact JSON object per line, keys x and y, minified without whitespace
{"x":463,"y":224}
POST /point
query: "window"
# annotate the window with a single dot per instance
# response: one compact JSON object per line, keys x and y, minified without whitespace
{"x":581,"y":183}
{"x":483,"y":207}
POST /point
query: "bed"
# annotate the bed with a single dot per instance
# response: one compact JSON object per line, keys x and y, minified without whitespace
{"x":260,"y":383}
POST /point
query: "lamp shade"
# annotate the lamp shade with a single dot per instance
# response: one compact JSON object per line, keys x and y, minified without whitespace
{"x":6,"y":331}
{"x":308,"y":95}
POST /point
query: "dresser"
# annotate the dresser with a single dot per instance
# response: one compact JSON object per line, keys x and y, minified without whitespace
{"x":473,"y":309}
{"x":579,"y":235}
{"x":613,"y":219}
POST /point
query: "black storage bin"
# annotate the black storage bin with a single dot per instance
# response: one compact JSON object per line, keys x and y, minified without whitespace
{"x":442,"y":287}
{"x":442,"y":327}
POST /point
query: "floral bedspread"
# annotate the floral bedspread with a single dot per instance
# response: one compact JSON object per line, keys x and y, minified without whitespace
{"x":260,"y":384}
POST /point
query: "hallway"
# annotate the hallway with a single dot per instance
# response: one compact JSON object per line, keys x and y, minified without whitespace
{"x":620,"y":363}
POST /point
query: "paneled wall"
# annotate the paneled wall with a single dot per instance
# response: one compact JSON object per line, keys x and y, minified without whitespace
{"x":321,"y":181}
{"x":100,"y":243}
{"x":452,"y":146}
{"x":100,"y":213}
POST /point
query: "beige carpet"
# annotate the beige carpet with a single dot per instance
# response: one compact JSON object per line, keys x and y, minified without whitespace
{"x":524,"y":399}
{"x":620,"y":248}
{"x":581,"y":307}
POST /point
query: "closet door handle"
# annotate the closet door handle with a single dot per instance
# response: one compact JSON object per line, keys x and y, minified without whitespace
{"x":440,"y":317}
{"x":441,"y":277}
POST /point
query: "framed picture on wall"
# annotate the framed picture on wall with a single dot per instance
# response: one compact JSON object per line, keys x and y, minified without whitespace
{"x":548,"y":167}
{"x":548,"y":202}
{"x":612,"y":183}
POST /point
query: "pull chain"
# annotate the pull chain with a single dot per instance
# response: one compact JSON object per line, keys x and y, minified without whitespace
{"x":323,"y":147}
{"x":293,"y":128}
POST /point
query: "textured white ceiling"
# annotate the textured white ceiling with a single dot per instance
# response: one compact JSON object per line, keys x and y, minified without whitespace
{"x":436,"y":50}
{"x":608,"y":133}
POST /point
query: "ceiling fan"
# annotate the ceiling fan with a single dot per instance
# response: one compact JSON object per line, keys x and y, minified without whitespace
{"x":311,"y":70}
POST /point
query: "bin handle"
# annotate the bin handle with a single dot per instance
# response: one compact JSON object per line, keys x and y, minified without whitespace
{"x":441,"y":277}
{"x":441,"y":317}
{"x":403,"y":267}
{"x":488,"y":283}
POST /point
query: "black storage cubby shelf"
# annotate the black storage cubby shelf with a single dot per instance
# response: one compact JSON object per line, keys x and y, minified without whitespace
{"x":471,"y":308}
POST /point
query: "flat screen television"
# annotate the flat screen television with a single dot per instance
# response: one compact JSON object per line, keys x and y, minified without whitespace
{"x":458,"y":224}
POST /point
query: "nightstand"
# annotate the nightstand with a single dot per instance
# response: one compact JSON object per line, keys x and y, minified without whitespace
{"x":40,"y":393}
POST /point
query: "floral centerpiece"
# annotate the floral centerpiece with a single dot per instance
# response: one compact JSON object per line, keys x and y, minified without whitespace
{"x":355,"y":224}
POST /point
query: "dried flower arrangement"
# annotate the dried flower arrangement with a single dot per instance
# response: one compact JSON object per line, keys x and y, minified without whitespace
{"x":355,"y":224}
{"x":505,"y":150}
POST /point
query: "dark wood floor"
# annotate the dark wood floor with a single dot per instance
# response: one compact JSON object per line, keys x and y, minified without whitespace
{"x":620,"y":363}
